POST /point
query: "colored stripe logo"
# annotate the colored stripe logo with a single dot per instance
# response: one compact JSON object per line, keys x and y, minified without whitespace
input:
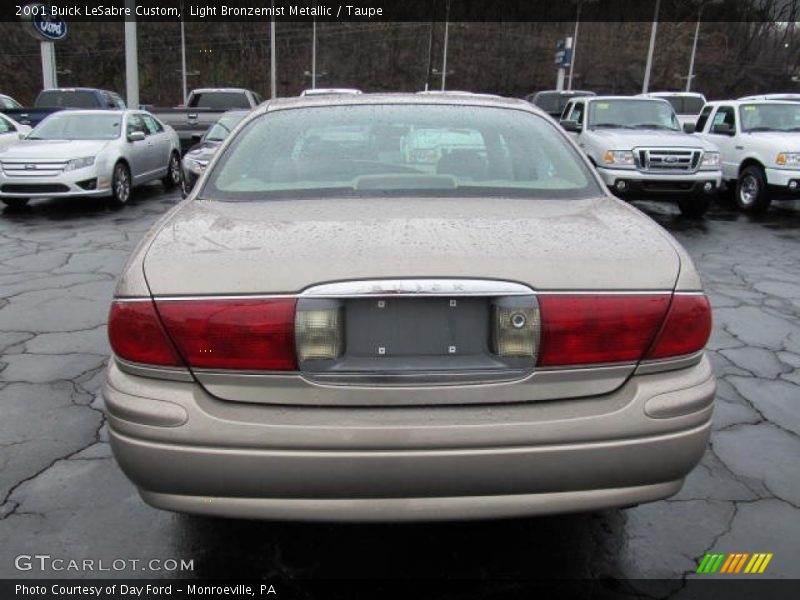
{"x":735,"y":562}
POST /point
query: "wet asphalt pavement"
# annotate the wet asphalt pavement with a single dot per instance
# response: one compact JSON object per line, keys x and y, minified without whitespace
{"x":62,"y":494}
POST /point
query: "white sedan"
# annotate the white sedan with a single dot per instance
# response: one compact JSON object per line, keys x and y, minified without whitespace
{"x":89,"y":153}
{"x":10,"y":131}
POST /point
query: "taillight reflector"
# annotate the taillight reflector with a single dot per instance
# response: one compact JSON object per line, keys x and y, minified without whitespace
{"x":236,"y":334}
{"x":686,"y":329}
{"x":585,"y":328}
{"x":136,"y":335}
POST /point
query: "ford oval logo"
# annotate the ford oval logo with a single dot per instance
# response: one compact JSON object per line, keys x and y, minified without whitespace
{"x":671,"y":159}
{"x":51,"y":28}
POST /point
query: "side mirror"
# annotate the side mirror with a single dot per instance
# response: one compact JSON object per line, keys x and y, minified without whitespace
{"x":136,"y":136}
{"x":689,"y":127}
{"x":22,"y":135}
{"x":572,"y":126}
{"x":722,"y":129}
{"x":196,"y":137}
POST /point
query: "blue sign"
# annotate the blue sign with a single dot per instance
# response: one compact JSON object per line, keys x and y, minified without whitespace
{"x":50,"y":28}
{"x":563,"y":56}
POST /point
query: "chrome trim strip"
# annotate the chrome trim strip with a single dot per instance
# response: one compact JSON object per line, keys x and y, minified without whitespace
{"x":648,"y":367}
{"x":170,"y":373}
{"x":487,"y":292}
{"x":417,"y":287}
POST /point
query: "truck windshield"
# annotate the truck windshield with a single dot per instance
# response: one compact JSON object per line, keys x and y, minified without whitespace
{"x":67,"y":99}
{"x":770,"y":117}
{"x":65,"y":126}
{"x":394,"y":149}
{"x":632,"y":114}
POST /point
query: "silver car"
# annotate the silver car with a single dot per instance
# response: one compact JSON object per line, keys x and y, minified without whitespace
{"x":89,"y":153}
{"x":405,"y":307}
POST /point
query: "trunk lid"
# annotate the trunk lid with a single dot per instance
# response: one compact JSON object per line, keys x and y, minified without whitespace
{"x":285,"y":246}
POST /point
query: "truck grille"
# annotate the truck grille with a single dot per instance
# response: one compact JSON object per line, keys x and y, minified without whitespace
{"x":33,"y":168}
{"x":667,"y":160}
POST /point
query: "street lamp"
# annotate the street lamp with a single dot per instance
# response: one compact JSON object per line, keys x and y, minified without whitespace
{"x":649,"y":65}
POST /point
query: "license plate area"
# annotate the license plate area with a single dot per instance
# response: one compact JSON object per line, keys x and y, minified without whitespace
{"x":416,"y":327}
{"x":405,"y":340}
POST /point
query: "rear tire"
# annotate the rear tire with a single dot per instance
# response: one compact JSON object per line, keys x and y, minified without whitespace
{"x":695,"y":205}
{"x":752,"y":193}
{"x":15,"y":202}
{"x":174,"y":176}
{"x":120,"y":185}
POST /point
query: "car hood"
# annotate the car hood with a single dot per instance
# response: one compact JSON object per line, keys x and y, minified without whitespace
{"x":624,"y":139}
{"x":209,"y":247}
{"x":65,"y":149}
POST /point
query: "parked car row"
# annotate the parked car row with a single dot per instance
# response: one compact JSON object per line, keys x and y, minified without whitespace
{"x":677,"y":146}
{"x":101,"y":153}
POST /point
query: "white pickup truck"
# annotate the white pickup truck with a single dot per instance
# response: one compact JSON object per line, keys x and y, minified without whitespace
{"x":640,"y":150}
{"x":759,"y":142}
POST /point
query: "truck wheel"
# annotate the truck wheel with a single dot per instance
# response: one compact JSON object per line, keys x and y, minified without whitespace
{"x":120,"y":185}
{"x":173,"y":177}
{"x":15,"y":202}
{"x":695,"y":205}
{"x":752,"y":194}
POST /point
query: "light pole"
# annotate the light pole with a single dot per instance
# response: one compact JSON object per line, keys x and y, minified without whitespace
{"x":272,"y":61}
{"x":131,"y":58}
{"x":444,"y":52}
{"x":694,"y":51}
{"x":183,"y":59}
{"x":649,"y":65}
{"x":314,"y":54}
{"x":574,"y":46}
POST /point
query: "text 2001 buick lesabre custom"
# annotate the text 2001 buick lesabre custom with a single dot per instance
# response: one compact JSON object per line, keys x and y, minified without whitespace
{"x":406,"y":307}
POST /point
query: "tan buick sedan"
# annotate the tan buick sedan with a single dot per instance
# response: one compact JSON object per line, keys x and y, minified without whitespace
{"x":406,"y":307}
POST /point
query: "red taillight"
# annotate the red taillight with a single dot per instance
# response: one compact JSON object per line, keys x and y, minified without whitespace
{"x":246,"y":334}
{"x":586,"y":328}
{"x":686,"y":329}
{"x":136,"y":335}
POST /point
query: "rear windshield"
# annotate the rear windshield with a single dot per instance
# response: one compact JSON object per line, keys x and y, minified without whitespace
{"x":219,"y":100}
{"x":67,"y":99}
{"x":420,"y":150}
{"x":686,"y":105}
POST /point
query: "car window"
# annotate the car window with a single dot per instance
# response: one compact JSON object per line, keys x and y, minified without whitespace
{"x":724,"y":115}
{"x":219,"y":100}
{"x":577,"y":112}
{"x":565,"y":113}
{"x":118,"y":101}
{"x":6,"y":102}
{"x":6,"y":126}
{"x":399,"y":149}
{"x":70,"y":126}
{"x":67,"y":99}
{"x":153,"y":126}
{"x":135,"y":123}
{"x":703,"y":118}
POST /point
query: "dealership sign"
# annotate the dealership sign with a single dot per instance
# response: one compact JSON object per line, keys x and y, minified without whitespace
{"x":45,"y":25}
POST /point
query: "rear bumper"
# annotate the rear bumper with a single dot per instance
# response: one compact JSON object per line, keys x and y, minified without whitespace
{"x":201,"y":455}
{"x":409,"y":485}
